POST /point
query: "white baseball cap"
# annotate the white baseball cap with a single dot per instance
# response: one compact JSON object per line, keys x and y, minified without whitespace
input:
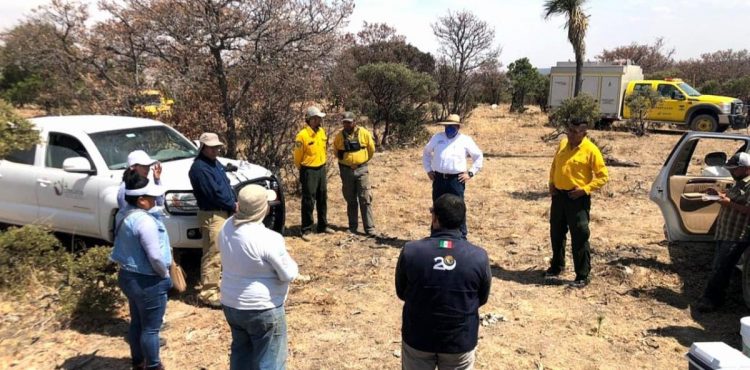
{"x":738,"y":160}
{"x":140,"y":157}
{"x":314,"y":112}
{"x":151,"y":190}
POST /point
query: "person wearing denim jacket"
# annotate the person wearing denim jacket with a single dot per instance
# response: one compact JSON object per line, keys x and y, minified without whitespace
{"x":143,"y":252}
{"x":257,"y":270}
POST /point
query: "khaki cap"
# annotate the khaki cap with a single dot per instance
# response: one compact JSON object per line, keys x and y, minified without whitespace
{"x":314,"y":112}
{"x":210,"y":139}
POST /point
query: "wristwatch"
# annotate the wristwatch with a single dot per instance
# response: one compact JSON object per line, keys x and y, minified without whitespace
{"x":471,"y":174}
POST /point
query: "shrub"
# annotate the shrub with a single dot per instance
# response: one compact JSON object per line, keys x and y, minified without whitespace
{"x":92,"y":284}
{"x":639,"y":103}
{"x":29,"y":255}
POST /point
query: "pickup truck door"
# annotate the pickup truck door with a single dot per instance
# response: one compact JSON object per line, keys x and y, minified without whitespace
{"x":68,"y":201}
{"x":679,"y":187}
{"x":670,"y":108}
{"x":18,"y":198}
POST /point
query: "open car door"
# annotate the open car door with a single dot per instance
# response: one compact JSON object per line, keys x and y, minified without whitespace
{"x":694,"y":166}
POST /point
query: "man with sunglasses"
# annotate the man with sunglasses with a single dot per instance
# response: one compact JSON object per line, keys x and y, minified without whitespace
{"x":577,"y":170}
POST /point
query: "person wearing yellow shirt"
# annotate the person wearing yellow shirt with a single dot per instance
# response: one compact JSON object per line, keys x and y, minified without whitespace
{"x":355,"y":147}
{"x":577,"y":170}
{"x":310,"y":148}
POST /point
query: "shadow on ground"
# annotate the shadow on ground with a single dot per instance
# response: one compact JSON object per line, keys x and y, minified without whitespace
{"x":692,"y":263}
{"x":529,"y":194}
{"x":94,"y":362}
{"x":529,"y":276}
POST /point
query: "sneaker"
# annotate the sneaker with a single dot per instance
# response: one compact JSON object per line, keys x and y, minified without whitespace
{"x":326,"y":230}
{"x":552,"y":273}
{"x":705,"y":305}
{"x":306,"y":237}
{"x":580,"y":283}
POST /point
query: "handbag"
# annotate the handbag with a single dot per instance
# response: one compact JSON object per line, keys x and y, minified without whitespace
{"x":178,"y":277}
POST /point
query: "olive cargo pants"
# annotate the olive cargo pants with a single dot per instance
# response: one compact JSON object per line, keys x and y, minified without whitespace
{"x":355,"y":184}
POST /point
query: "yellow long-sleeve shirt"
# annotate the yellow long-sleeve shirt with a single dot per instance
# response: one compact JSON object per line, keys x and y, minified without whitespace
{"x":310,"y":147}
{"x":582,"y":166}
{"x":359,"y":157}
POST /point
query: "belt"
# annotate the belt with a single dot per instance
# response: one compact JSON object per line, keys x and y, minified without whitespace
{"x":312,"y":168}
{"x":354,"y":167}
{"x":564,"y":191}
{"x":446,"y":175}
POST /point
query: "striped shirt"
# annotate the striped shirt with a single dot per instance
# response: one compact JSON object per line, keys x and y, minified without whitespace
{"x":731,"y":224}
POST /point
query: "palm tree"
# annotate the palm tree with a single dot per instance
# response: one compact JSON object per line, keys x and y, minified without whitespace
{"x":577,"y":23}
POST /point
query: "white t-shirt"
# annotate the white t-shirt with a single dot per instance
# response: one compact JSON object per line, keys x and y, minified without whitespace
{"x":445,"y":155}
{"x":256,"y":268}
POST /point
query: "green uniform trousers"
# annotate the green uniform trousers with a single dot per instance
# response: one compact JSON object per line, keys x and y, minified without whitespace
{"x":314,"y":194}
{"x":355,"y":184}
{"x":570,"y":214}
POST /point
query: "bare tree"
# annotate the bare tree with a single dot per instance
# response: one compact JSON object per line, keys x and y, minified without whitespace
{"x":652,"y":58}
{"x":466,"y":44}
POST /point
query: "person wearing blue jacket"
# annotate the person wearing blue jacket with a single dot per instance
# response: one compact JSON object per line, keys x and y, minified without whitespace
{"x":216,"y":202}
{"x":443,"y":280}
{"x":143,"y":253}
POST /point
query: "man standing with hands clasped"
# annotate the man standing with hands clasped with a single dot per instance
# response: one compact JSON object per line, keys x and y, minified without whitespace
{"x":355,"y":147}
{"x":577,"y":170}
{"x":731,"y":232}
{"x":444,"y":160}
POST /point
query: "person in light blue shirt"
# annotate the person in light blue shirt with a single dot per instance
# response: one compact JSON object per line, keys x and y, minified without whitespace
{"x":256,"y":272}
{"x":143,"y":253}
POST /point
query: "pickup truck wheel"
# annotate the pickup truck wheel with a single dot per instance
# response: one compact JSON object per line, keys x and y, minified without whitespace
{"x":704,"y":123}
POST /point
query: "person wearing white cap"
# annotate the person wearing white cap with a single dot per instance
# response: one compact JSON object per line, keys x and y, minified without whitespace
{"x":310,"y":147}
{"x":143,"y":253}
{"x":731,"y":232}
{"x":444,"y":160}
{"x":216,"y":202}
{"x":140,"y":162}
{"x":255,"y":283}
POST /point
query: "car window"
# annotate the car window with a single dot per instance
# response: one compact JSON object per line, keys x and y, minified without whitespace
{"x":160,"y":142}
{"x":641,"y":87}
{"x":666,"y":90}
{"x":22,"y":156}
{"x":691,"y":160}
{"x":61,"y":147}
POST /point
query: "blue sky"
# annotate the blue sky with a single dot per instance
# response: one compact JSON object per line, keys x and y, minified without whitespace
{"x":692,"y":27}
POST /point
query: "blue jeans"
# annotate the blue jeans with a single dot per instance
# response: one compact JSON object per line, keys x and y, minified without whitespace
{"x":147,"y":298}
{"x":258,"y":338}
{"x":449,"y":185}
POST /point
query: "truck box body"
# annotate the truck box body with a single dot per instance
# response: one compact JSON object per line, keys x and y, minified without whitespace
{"x":605,"y":82}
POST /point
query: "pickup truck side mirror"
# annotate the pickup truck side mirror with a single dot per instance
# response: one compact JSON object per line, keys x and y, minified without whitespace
{"x":78,"y":165}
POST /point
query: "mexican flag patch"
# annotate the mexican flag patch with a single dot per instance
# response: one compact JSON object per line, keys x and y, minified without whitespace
{"x":446,"y":244}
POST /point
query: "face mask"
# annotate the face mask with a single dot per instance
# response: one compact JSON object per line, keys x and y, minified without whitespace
{"x":451,"y":131}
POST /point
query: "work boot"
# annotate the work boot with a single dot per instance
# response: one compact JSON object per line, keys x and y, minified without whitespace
{"x":705,"y":305}
{"x":326,"y":230}
{"x":306,"y":236}
{"x":210,"y":297}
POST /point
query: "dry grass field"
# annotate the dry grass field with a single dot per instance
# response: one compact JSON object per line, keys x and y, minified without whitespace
{"x":345,"y":314}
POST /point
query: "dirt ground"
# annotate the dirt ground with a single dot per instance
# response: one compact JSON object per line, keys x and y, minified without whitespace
{"x":345,"y":313}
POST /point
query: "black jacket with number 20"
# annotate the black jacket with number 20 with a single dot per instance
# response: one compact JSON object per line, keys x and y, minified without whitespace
{"x":443,"y":280}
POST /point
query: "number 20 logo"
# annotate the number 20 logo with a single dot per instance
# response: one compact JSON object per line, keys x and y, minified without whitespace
{"x":444,"y":264}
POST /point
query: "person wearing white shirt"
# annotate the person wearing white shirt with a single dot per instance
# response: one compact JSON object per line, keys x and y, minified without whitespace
{"x":444,"y":160}
{"x":256,"y":272}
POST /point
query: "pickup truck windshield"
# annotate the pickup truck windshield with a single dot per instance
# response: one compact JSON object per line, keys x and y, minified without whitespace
{"x":160,"y":142}
{"x":689,"y":89}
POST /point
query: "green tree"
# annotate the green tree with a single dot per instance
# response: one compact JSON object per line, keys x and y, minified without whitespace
{"x":396,"y":97}
{"x":639,"y":103}
{"x":16,"y":133}
{"x":525,"y":80}
{"x":577,"y":24}
{"x":580,"y":108}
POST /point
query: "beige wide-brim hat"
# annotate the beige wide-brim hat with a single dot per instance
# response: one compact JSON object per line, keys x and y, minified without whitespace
{"x":452,"y":119}
{"x":210,"y":139}
{"x":253,"y":204}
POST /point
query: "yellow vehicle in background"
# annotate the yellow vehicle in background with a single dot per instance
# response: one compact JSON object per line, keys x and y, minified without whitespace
{"x":151,"y":103}
{"x":681,"y":103}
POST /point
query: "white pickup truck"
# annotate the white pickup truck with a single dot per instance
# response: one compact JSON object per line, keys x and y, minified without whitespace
{"x":70,"y":180}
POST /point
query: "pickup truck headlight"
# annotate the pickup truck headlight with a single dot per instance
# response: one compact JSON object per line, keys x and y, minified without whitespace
{"x":180,"y":203}
{"x":726,"y":108}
